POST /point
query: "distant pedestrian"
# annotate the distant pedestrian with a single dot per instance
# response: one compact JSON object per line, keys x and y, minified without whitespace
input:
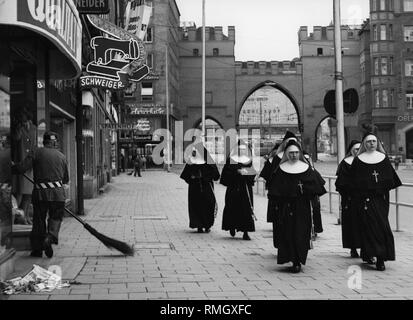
{"x":350,"y":225}
{"x":199,"y":173}
{"x":137,"y":163}
{"x":50,"y":174}
{"x":397,"y":162}
{"x":373,"y":177}
{"x":238,"y":176}
{"x":122,"y":162}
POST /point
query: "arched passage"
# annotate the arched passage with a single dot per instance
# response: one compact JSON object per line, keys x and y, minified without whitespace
{"x":214,"y":140}
{"x":326,"y":138}
{"x":272,"y":110}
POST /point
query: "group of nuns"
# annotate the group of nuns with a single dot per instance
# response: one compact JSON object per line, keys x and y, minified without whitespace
{"x":294,"y":186}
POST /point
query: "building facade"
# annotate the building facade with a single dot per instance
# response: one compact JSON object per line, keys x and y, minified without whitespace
{"x":387,"y":62}
{"x":144,"y":109}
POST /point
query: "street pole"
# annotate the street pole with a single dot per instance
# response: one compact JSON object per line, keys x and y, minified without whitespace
{"x":269,"y":124}
{"x":167,"y":107}
{"x":203,"y":71}
{"x":338,"y":76}
{"x":79,"y":148}
{"x":260,"y":117}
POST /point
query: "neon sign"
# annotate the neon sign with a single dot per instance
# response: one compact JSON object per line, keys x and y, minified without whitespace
{"x":117,"y":61}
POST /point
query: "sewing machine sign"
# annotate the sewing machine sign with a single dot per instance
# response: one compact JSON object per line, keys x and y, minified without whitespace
{"x":117,"y":61}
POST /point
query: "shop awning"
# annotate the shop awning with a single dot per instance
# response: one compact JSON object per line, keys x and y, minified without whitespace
{"x":56,"y":20}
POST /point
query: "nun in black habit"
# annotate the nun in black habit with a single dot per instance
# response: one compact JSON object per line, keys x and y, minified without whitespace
{"x":271,"y":164}
{"x":199,"y":172}
{"x":238,"y":176}
{"x":373,"y":176}
{"x":291,"y":189}
{"x":350,"y":226}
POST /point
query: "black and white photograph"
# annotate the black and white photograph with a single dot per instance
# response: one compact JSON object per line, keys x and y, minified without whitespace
{"x":202,"y":156}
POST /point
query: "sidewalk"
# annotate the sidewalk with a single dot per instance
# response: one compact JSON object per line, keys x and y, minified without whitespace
{"x":174,"y":262}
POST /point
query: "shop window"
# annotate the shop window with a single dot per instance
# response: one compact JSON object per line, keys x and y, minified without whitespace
{"x":409,"y":100}
{"x":149,"y":35}
{"x":215,"y":52}
{"x":409,"y":68}
{"x":147,"y":91}
{"x":408,"y":33}
{"x":408,"y":5}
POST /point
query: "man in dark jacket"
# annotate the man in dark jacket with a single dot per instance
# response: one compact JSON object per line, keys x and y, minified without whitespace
{"x":50,"y":173}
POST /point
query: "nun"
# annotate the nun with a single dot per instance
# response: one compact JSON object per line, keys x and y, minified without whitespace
{"x":238,"y":176}
{"x":199,"y":173}
{"x":350,"y":227}
{"x":271,"y":164}
{"x":291,"y":189}
{"x":373,"y":176}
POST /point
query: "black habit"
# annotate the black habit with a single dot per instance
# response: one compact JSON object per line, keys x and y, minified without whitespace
{"x":201,"y":198}
{"x":291,"y":195}
{"x":266,"y":173}
{"x":239,"y":201}
{"x":350,"y":222}
{"x":372,"y":183}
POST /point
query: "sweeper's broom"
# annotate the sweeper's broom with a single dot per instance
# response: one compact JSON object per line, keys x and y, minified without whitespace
{"x":108,"y":242}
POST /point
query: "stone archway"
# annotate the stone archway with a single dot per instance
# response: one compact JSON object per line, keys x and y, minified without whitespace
{"x":326,"y":138}
{"x":271,"y":111}
{"x":278,"y":88}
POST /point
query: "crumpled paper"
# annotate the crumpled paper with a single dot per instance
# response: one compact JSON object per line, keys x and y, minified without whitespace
{"x":37,"y":280}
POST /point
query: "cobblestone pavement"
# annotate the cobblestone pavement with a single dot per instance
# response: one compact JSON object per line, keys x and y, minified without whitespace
{"x":174,"y":262}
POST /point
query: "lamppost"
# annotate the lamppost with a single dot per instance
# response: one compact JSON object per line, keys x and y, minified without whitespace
{"x":260,"y":99}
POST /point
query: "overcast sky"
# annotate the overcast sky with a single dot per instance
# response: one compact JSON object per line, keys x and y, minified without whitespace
{"x":267,"y":29}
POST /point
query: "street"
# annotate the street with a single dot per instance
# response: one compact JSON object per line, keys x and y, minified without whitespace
{"x":174,"y":262}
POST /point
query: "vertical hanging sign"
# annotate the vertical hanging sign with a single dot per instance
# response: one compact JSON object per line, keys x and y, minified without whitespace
{"x":137,"y":16}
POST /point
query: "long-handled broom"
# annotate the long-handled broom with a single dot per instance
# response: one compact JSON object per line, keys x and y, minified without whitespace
{"x":108,"y":242}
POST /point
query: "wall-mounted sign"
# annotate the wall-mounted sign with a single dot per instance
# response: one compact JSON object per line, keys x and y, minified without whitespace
{"x":92,"y":6}
{"x":137,"y":17}
{"x":56,"y":20}
{"x":152,"y":76}
{"x":143,"y":124}
{"x":116,"y":61}
{"x":147,"y":111}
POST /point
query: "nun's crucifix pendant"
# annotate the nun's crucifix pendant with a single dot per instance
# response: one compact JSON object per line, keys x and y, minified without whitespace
{"x":375,"y":174}
{"x":301,"y":186}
